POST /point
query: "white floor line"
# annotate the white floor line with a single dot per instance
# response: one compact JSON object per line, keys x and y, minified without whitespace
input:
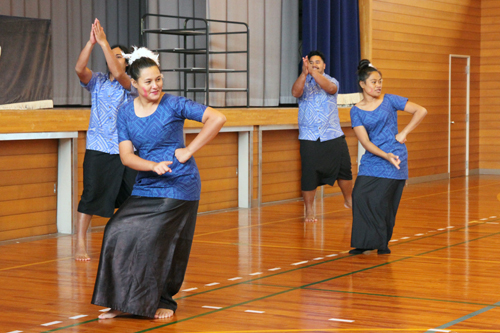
{"x":441,"y":229}
{"x":105,"y":310}
{"x":393,"y":240}
{"x":436,"y":330}
{"x":253,"y":311}
{"x":78,"y":317}
{"x":15,"y":332}
{"x":450,"y":227}
{"x":418,"y":234}
{"x":342,"y":320}
{"x":211,"y":307}
{"x":493,"y":217}
{"x":256,"y":273}
{"x":319,"y":258}
{"x":212,"y":284}
{"x":274,"y":269}
{"x":332,"y":255}
{"x":51,"y":323}
{"x":190,"y":289}
{"x":299,"y":263}
{"x":235,"y":278}
{"x":491,"y":222}
{"x":405,"y":237}
{"x":482,"y":220}
{"x":431,"y":231}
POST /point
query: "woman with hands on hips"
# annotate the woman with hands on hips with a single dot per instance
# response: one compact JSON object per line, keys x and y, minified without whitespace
{"x":383,"y":168}
{"x":147,"y":242}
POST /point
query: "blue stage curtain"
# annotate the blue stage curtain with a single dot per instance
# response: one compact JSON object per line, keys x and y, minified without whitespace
{"x":332,"y":27}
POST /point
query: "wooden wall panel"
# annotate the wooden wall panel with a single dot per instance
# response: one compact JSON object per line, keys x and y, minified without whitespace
{"x":411,"y":44}
{"x":28,"y":177}
{"x":281,"y":169}
{"x":489,"y":134}
{"x":218,"y":165}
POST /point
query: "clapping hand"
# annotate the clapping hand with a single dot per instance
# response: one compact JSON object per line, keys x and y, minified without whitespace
{"x":99,"y":34}
{"x":305,"y":65}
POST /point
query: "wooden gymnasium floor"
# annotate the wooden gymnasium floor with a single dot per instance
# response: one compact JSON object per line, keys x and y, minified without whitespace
{"x":264,"y":270}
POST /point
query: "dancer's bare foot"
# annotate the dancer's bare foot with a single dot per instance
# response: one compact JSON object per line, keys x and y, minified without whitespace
{"x":163,"y":313}
{"x":81,"y":252}
{"x":348,"y":204}
{"x":111,"y":314}
{"x":310,"y":218}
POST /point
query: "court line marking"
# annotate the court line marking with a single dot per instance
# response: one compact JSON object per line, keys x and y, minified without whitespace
{"x":254,"y":311}
{"x":235,"y":278}
{"x":466,"y":317}
{"x":294,"y":288}
{"x":212,"y":284}
{"x":211,"y":307}
{"x":51,"y":323}
{"x":342,"y":320}
{"x":300,"y":263}
{"x":78,"y":317}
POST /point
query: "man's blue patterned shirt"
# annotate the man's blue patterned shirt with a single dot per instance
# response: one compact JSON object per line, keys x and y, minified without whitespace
{"x":107,"y":98}
{"x":318,"y":112}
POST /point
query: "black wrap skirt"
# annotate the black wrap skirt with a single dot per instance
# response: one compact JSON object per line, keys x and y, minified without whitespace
{"x":375,"y":202}
{"x":144,"y":255}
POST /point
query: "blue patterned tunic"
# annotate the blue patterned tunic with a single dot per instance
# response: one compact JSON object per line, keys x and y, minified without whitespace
{"x":156,"y":137}
{"x":381,"y":125}
{"x":318,"y":112}
{"x":107,"y":98}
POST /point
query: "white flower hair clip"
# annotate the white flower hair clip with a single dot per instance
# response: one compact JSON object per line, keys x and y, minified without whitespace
{"x":370,"y":65}
{"x":141,"y":52}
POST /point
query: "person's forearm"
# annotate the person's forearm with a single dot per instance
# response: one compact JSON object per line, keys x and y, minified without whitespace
{"x":324,"y":83}
{"x":137,"y":163}
{"x":83,"y":59}
{"x":298,"y":86}
{"x":415,"y":120}
{"x":209,"y":130}
{"x":372,"y":148}
{"x":113,"y":64}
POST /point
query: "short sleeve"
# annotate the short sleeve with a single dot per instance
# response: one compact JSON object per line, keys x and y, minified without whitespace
{"x":191,"y":110}
{"x":133,"y":91}
{"x":398,"y":102}
{"x":94,"y":81}
{"x":355,"y":120}
{"x":335,"y":82}
{"x":121,"y":123}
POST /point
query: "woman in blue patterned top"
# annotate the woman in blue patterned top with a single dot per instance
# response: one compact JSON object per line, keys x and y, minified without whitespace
{"x":147,"y":242}
{"x":383,"y":168}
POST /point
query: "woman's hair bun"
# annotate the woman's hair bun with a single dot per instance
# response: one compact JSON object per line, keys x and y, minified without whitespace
{"x":364,"y":63}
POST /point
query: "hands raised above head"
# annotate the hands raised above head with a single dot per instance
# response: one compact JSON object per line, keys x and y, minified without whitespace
{"x":98,"y":31}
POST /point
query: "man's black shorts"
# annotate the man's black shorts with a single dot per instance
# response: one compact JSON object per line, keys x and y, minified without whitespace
{"x":324,"y":162}
{"x":107,"y":183}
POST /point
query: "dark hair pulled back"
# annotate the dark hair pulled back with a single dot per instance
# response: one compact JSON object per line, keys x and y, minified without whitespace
{"x":364,"y":70}
{"x":134,"y":70}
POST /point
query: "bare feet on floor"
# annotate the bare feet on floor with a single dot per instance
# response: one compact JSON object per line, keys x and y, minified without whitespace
{"x":111,"y":314}
{"x":81,"y":252}
{"x":163,"y":313}
{"x":310,"y":218}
